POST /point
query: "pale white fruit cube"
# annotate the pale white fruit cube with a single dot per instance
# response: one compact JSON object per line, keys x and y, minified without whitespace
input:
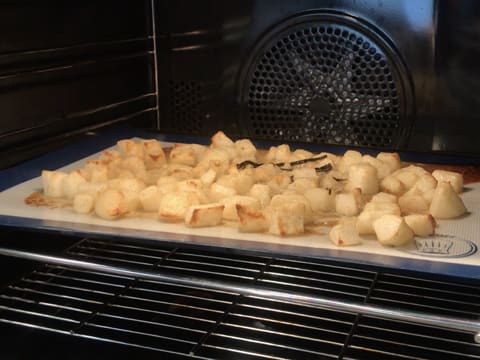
{"x":392,"y":230}
{"x":230,"y":209}
{"x":344,"y":234}
{"x":219,"y":192}
{"x":287,"y":220}
{"x":150,"y":198}
{"x":83,"y":203}
{"x":183,"y":154}
{"x":219,"y":139}
{"x":454,"y":178}
{"x":174,"y":205}
{"x":154,"y":154}
{"x":391,"y":159}
{"x":413,"y":203}
{"x":251,"y":219}
{"x":129,"y":147}
{"x":348,"y":203}
{"x":71,"y":183}
{"x":384,"y":197}
{"x":285,"y":200}
{"x":421,"y":224}
{"x":383,"y":169}
{"x":204,"y":215}
{"x":371,"y":212}
{"x":53,"y":183}
{"x":320,"y":199}
{"x":262,"y":193}
{"x":127,"y":184}
{"x":446,"y":204}
{"x":349,"y":158}
{"x":364,"y":177}
{"x":302,"y":184}
{"x":392,"y":185}
{"x":110,"y":204}
{"x":245,"y":149}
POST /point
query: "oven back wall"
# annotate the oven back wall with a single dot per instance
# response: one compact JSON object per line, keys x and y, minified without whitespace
{"x":70,"y":66}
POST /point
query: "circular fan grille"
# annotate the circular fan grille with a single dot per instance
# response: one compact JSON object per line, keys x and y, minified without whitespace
{"x":324,"y":82}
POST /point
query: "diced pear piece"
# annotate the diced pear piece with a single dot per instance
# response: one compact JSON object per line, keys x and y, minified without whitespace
{"x":53,"y":183}
{"x":264,"y":173}
{"x":204,"y":215}
{"x":300,"y":154}
{"x":245,"y":149}
{"x":392,"y":230}
{"x":174,"y":205}
{"x":304,"y":172}
{"x":132,"y":200}
{"x":183,"y":154}
{"x":446,"y":204}
{"x":349,"y":158}
{"x":243,"y":182}
{"x":454,"y":178}
{"x":154,"y":154}
{"x":421,"y":224}
{"x":219,"y":139}
{"x":251,"y":219}
{"x":392,"y":159}
{"x":382,"y":197}
{"x":372,"y":211}
{"x":283,"y":153}
{"x":218,"y":192}
{"x":283,"y":200}
{"x":392,"y":185}
{"x":110,"y":204}
{"x":425,"y":183}
{"x":92,"y":188}
{"x":150,"y":198}
{"x":300,"y":186}
{"x":287,"y":219}
{"x":328,"y":181}
{"x":364,"y":177}
{"x":383,"y":169}
{"x":413,"y":203}
{"x":344,"y":234}
{"x":208,"y":177}
{"x":262,"y":193}
{"x":129,"y":147}
{"x":127,"y":184}
{"x":348,"y":203}
{"x":230,"y":210}
{"x":71,"y":182}
{"x":83,"y":203}
{"x":322,"y":200}
{"x":407,"y":177}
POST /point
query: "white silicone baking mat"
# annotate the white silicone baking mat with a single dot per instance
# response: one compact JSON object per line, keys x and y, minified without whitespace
{"x":456,"y":241}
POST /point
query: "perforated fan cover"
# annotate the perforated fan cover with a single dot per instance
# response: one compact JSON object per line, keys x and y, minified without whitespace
{"x":325,"y":82}
{"x":185,"y":101}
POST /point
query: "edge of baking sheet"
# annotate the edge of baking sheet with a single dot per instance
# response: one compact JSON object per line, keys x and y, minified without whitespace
{"x":464,"y":261}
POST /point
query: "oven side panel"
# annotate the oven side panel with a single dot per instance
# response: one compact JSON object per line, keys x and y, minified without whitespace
{"x":67,"y":67}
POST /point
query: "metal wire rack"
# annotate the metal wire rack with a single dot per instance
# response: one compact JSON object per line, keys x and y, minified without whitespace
{"x":193,"y":320}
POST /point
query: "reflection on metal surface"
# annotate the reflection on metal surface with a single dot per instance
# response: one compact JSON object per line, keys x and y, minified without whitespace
{"x":257,"y":291}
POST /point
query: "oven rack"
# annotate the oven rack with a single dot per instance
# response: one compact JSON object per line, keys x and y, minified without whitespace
{"x":204,"y":304}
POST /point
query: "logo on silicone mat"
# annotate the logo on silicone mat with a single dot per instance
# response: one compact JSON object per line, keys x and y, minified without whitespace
{"x":443,"y":246}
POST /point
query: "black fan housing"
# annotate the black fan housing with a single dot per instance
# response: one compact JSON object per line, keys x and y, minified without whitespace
{"x":326,"y":78}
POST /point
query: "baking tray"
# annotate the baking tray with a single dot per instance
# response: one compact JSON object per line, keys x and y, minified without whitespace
{"x":453,"y":251}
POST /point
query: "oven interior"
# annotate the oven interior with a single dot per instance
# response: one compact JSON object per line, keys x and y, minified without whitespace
{"x":393,"y":75}
{"x":128,"y":316}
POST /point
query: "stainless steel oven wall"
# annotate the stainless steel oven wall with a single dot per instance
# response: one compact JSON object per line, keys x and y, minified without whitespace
{"x":215,"y":71}
{"x":67,"y":66}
